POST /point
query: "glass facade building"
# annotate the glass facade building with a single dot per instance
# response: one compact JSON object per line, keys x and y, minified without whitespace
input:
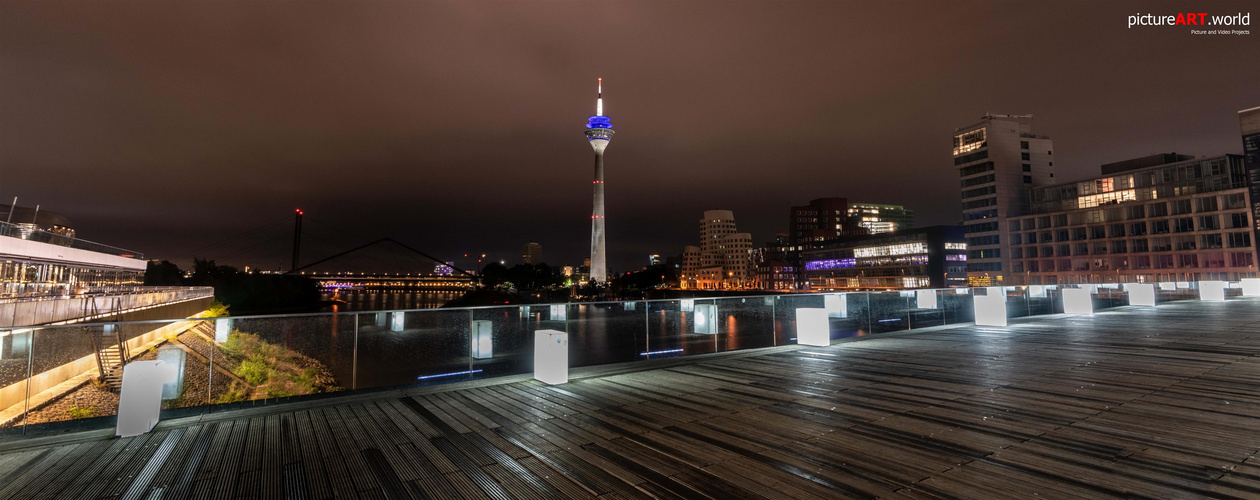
{"x":931,"y":257}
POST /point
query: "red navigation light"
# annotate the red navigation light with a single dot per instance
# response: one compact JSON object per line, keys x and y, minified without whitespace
{"x":298,"y":210}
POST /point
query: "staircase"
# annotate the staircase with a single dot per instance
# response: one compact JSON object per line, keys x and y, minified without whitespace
{"x":111,"y":351}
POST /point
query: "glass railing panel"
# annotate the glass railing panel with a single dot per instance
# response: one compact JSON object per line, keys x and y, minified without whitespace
{"x":745,"y":323}
{"x":889,"y":311}
{"x":501,"y":338}
{"x":666,"y":323}
{"x":277,"y":357}
{"x":398,"y":348}
{"x":15,"y":363}
{"x":65,"y":382}
{"x":606,"y":332}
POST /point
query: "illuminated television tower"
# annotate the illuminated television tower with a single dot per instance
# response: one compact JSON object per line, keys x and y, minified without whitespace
{"x":598,"y":132}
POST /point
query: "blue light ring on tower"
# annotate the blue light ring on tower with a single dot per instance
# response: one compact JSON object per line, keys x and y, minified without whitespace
{"x":599,"y":122}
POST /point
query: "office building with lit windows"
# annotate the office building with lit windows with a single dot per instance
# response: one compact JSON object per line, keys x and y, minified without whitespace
{"x":998,"y":160}
{"x":877,"y":218}
{"x":930,"y":257}
{"x":1157,"y":218}
{"x":724,"y":258}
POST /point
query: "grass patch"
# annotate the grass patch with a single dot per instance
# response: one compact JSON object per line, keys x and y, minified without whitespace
{"x":272,"y":370}
{"x":77,"y":412}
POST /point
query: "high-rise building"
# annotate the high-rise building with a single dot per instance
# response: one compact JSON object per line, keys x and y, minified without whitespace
{"x":531,"y":253}
{"x":822,"y":218}
{"x":998,"y":159}
{"x":724,"y":257}
{"x":599,"y":131}
{"x":878,"y":218}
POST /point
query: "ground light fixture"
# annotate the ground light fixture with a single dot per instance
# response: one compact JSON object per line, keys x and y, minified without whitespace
{"x":551,"y":356}
{"x":706,"y":321}
{"x":140,"y":403}
{"x":1212,"y":291}
{"x":990,"y":310}
{"x":1077,"y":301}
{"x":1140,"y":294}
{"x":813,"y":326}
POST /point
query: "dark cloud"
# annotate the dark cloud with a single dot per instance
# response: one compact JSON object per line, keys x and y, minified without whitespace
{"x":457,"y":126}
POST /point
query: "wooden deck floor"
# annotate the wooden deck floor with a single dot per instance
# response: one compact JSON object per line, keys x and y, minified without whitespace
{"x":1158,"y":403}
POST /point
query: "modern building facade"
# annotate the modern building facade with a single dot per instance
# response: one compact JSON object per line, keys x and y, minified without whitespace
{"x":724,"y":258}
{"x":1249,"y":125}
{"x":531,"y":253}
{"x":930,"y":257}
{"x":877,"y":218}
{"x":998,"y":159}
{"x":1165,"y":219}
{"x":821,"y":219}
{"x":35,"y":262}
{"x":599,"y":131}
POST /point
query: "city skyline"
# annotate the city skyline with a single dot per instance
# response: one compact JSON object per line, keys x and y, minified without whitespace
{"x":160,"y":147}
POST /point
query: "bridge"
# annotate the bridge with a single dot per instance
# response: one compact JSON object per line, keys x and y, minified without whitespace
{"x":390,"y":281}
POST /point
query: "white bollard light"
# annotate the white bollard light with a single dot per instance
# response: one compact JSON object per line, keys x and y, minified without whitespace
{"x":687,"y":305}
{"x":990,"y":310}
{"x":837,"y":305}
{"x":1077,"y":301}
{"x":482,"y":339}
{"x":140,"y":404}
{"x":996,"y":291}
{"x":1251,"y":287}
{"x":706,"y":321}
{"x":1036,"y":291}
{"x":222,"y":329}
{"x":551,"y":356}
{"x":1140,"y":294}
{"x":1183,"y":284}
{"x":559,"y":312}
{"x":1212,"y":291}
{"x":962,"y":291}
{"x":1167,"y":286}
{"x":629,"y":306}
{"x":174,"y":357}
{"x":925,"y":299}
{"x":397,"y":319}
{"x":380,"y":320}
{"x":813,"y":327}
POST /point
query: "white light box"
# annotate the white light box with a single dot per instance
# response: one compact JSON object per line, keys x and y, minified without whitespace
{"x":1183,"y":284}
{"x":1167,"y":286}
{"x":482,"y":339}
{"x":687,"y":305}
{"x":559,"y":312}
{"x":1140,"y":294}
{"x":837,"y":305}
{"x":551,"y":356}
{"x":140,"y":403}
{"x":173,"y":357}
{"x":813,"y":327}
{"x":1077,"y":301}
{"x":996,"y":291}
{"x":990,"y":310}
{"x":925,"y":299}
{"x":1036,"y":291}
{"x":629,"y":306}
{"x":396,"y":321}
{"x":1251,"y":287}
{"x":222,"y":328}
{"x":706,"y":320}
{"x":1212,"y":291}
{"x":962,"y":291}
{"x":380,"y":320}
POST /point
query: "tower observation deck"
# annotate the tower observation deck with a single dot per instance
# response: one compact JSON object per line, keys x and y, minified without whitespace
{"x":598,"y":132}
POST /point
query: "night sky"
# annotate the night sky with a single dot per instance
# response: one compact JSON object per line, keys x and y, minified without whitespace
{"x":197,"y":127}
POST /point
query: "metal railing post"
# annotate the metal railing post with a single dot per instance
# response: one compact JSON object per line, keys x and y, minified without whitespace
{"x":354,"y":361}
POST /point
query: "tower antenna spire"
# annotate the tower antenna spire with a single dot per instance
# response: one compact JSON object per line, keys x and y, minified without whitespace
{"x":599,"y":97}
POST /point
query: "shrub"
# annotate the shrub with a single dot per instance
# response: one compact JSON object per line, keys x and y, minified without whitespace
{"x":77,"y":412}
